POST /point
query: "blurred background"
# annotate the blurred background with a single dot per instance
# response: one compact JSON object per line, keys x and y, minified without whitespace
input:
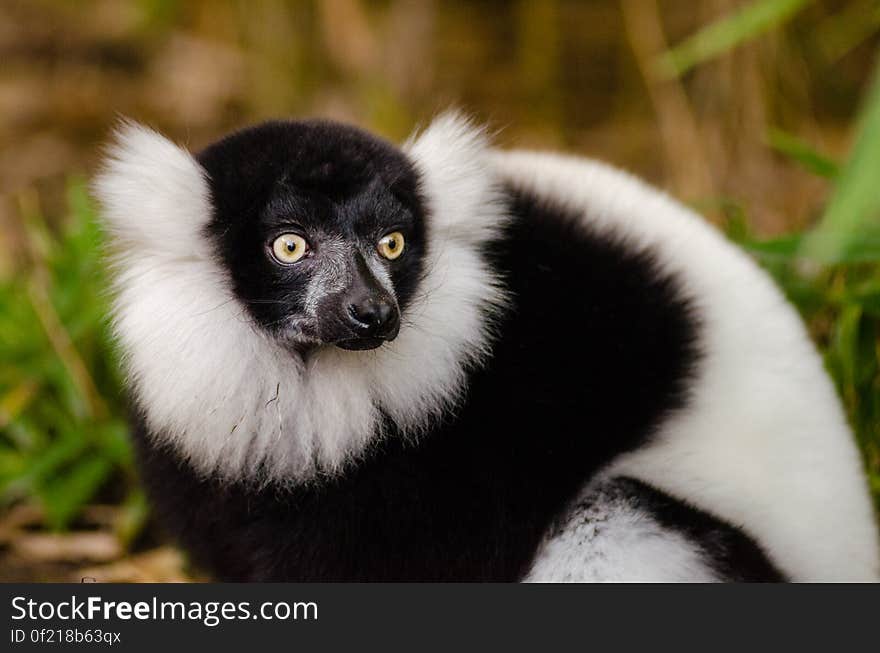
{"x":763,"y":115}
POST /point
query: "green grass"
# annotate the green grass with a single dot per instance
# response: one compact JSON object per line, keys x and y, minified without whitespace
{"x":63,"y":434}
{"x":850,"y":228}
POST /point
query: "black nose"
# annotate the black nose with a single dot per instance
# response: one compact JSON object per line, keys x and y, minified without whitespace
{"x":374,"y":316}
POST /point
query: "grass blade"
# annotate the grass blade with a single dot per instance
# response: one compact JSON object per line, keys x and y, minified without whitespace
{"x":802,"y":153}
{"x":66,"y":496}
{"x":850,"y":228}
{"x":725,"y":34}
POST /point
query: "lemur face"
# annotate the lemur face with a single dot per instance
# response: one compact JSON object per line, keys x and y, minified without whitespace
{"x":321,"y":229}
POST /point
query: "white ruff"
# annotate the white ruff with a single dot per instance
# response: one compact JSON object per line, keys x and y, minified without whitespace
{"x":224,"y":395}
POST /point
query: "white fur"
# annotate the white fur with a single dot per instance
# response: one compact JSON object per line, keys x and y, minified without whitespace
{"x":764,"y":442}
{"x":613,"y":540}
{"x":226,"y":396}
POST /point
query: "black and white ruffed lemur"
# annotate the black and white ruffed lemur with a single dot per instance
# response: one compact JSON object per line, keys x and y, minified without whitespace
{"x":353,"y":361}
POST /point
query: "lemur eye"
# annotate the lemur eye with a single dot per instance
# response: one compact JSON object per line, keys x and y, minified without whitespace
{"x":289,"y":248}
{"x":391,"y":245}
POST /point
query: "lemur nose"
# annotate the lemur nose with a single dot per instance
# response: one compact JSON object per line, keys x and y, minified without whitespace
{"x":374,"y":314}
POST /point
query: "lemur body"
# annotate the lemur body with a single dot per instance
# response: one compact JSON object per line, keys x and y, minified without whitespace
{"x":563,"y":376}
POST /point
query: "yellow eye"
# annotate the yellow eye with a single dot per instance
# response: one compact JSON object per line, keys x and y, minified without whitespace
{"x":391,"y":246}
{"x":289,"y":248}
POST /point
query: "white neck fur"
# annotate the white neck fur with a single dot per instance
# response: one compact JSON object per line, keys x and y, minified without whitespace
{"x":221,"y":393}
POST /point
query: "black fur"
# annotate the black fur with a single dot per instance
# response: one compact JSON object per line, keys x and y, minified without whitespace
{"x":597,"y":348}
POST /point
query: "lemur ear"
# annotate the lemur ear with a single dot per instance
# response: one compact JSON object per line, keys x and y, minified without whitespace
{"x":452,"y":155}
{"x":154,"y":194}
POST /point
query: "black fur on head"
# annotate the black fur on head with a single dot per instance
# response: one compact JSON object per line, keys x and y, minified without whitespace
{"x":339,"y":189}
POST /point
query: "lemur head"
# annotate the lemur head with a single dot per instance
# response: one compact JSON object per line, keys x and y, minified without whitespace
{"x":284,"y":293}
{"x":321,"y":228}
